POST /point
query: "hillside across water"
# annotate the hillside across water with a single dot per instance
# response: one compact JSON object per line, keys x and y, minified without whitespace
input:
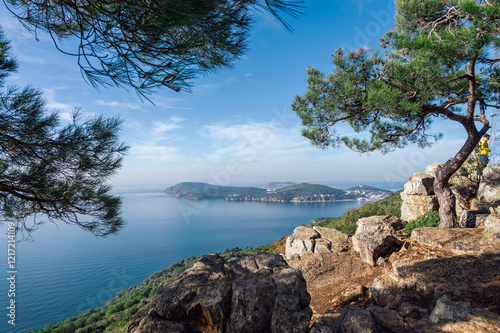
{"x":303,"y":192}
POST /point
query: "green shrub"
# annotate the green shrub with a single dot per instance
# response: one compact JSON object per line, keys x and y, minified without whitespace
{"x":346,"y":223}
{"x":430,"y":219}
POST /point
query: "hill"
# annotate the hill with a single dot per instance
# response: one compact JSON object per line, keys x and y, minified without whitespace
{"x":199,"y":191}
{"x":303,"y":192}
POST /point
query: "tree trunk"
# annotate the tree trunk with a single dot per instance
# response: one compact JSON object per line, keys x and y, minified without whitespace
{"x":447,"y":205}
{"x":446,"y":198}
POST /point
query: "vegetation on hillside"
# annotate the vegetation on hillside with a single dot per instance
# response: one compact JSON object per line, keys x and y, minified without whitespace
{"x":201,"y":191}
{"x":346,"y":223}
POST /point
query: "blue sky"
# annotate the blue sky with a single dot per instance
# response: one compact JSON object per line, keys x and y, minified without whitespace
{"x":236,"y":127}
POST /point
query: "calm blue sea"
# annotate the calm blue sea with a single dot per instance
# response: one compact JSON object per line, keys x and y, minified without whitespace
{"x":65,"y":271}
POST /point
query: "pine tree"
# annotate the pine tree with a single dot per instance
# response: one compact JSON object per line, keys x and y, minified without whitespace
{"x":436,"y":64}
{"x":47,"y":168}
{"x":147,"y":44}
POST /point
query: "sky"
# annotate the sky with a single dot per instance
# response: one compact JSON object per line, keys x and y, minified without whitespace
{"x":236,"y":127}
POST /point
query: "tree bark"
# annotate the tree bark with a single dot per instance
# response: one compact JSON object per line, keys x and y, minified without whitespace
{"x":446,"y":198}
{"x":447,"y":205}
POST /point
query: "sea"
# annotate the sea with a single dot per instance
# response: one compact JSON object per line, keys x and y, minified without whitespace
{"x":65,"y":271}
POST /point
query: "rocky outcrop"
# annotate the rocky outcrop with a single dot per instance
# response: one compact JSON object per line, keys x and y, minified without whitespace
{"x":459,"y":241}
{"x":252,"y":293}
{"x":488,"y":194}
{"x":374,"y":237}
{"x":317,"y":240}
{"x":418,"y":196}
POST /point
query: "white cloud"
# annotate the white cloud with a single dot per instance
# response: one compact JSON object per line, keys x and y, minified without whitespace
{"x":157,"y":145}
{"x":156,"y":153}
{"x":251,"y":142}
{"x":162,"y":127}
{"x":119,"y":105}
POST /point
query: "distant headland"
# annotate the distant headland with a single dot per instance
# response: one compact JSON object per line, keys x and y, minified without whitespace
{"x":276,"y":192}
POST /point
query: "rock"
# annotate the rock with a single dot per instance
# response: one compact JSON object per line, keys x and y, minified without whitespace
{"x":468,"y":219}
{"x":324,"y":323}
{"x":338,"y":240}
{"x":433,"y":169}
{"x":474,"y":244}
{"x":373,"y":238}
{"x":420,"y":184}
{"x":459,"y":241}
{"x":463,"y":198}
{"x":322,"y":246}
{"x":437,"y":237}
{"x":380,"y":223}
{"x":418,"y":196}
{"x":301,"y":241}
{"x":489,"y":187}
{"x":415,"y":206}
{"x":354,"y":320}
{"x":245,"y":293}
{"x":317,"y":240}
{"x":450,"y":316}
{"x":373,"y":319}
{"x":435,"y":277}
{"x":492,"y":226}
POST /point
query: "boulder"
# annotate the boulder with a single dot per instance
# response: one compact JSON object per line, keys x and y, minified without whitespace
{"x":380,"y":223}
{"x":415,"y":206}
{"x":492,"y":226}
{"x":468,"y":219}
{"x":374,"y":237}
{"x":420,"y":184}
{"x":432,"y":169}
{"x":245,"y":293}
{"x":418,"y":194}
{"x":318,"y":240}
{"x":338,"y":240}
{"x":301,"y":241}
{"x":489,"y":188}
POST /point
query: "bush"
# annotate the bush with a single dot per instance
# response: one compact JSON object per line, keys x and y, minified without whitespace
{"x":346,"y":223}
{"x":430,"y":219}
